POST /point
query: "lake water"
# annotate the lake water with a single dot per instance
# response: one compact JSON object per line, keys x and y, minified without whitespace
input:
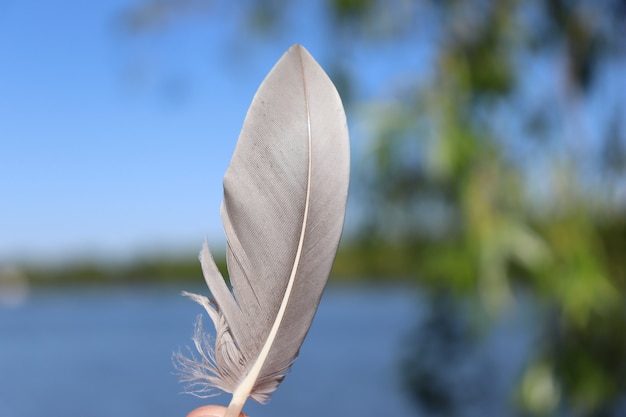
{"x":107,"y":353}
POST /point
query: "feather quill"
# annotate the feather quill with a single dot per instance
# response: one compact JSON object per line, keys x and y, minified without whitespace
{"x":283,"y":212}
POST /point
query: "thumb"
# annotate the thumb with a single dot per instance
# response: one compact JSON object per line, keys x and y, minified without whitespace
{"x":210,"y":411}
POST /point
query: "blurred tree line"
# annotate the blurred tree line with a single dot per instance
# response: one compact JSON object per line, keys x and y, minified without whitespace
{"x":497,"y":171}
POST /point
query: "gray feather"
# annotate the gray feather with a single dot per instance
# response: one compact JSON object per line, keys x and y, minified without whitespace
{"x":285,"y":195}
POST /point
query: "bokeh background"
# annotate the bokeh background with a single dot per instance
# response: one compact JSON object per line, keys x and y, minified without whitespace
{"x":482,"y":269}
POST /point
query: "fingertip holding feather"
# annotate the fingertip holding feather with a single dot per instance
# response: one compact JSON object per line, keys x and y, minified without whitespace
{"x":285,"y":194}
{"x":210,"y":411}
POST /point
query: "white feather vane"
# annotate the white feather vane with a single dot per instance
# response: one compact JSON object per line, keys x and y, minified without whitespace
{"x":283,"y":212}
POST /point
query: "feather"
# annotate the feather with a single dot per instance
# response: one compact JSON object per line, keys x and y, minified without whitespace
{"x":285,"y":194}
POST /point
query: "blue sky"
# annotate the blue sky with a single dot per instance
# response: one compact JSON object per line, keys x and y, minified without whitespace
{"x":115,"y":145}
{"x":92,"y":163}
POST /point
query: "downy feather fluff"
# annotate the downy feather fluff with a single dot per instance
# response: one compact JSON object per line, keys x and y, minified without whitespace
{"x":283,"y":211}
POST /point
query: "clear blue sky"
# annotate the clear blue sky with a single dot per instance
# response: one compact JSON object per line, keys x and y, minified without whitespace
{"x":115,"y":145}
{"x":94,"y":161}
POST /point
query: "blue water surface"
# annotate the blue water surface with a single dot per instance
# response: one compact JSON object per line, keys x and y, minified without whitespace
{"x":106,"y":352}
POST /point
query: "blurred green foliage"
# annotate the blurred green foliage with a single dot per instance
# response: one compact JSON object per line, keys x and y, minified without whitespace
{"x":452,"y":204}
{"x":149,"y":270}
